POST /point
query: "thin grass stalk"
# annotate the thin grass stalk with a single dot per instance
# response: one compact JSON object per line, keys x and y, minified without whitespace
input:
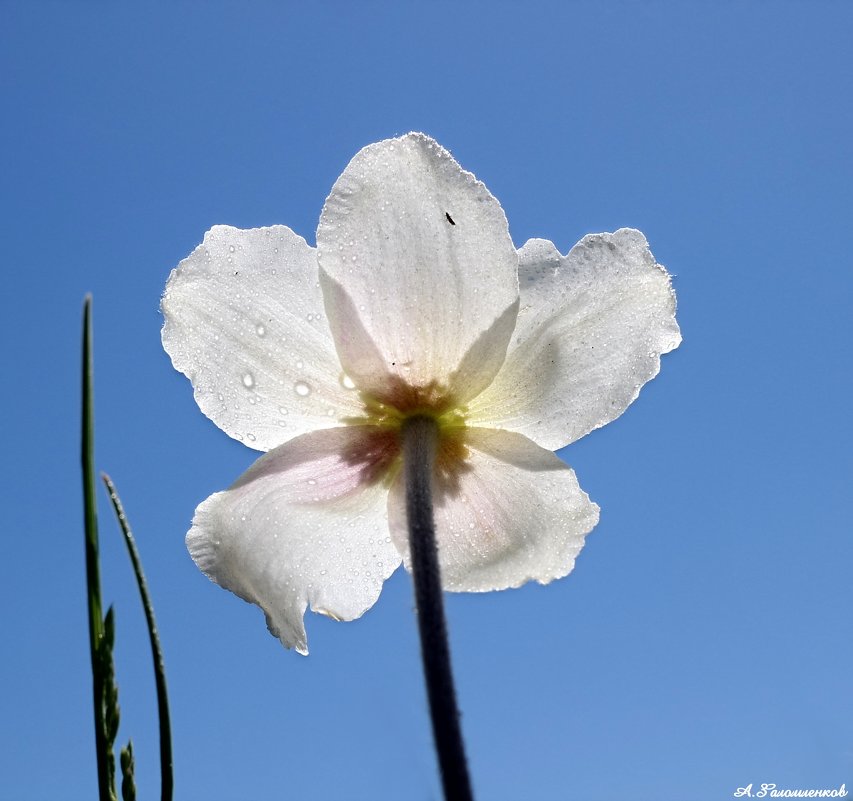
{"x":166,"y":768}
{"x":93,"y":579}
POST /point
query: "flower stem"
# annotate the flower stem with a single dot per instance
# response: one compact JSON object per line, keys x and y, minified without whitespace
{"x":420,"y":443}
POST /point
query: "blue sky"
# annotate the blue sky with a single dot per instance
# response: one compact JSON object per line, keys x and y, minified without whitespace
{"x":704,"y":640}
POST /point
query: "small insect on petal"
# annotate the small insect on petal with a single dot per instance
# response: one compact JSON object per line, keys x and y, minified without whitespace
{"x":449,"y":218}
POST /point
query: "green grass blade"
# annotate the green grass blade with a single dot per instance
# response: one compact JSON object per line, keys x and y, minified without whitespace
{"x":93,"y":579}
{"x":166,"y":776}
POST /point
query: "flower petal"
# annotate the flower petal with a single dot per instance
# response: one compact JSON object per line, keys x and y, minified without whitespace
{"x":305,"y":525}
{"x":506,"y":512}
{"x":244,"y":321}
{"x":419,"y":250}
{"x":590,"y":332}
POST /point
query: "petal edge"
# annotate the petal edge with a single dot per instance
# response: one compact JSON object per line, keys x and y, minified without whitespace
{"x":590,"y":333}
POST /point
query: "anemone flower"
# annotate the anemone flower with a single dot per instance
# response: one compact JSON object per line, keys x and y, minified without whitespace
{"x":414,"y":306}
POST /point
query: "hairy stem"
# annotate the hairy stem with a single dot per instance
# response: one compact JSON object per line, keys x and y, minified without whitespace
{"x":420,"y":444}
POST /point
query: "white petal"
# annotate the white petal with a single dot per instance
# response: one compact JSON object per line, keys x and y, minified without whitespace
{"x":425,"y":289}
{"x":305,"y":525}
{"x":244,"y":321}
{"x":506,"y":512}
{"x":591,"y":330}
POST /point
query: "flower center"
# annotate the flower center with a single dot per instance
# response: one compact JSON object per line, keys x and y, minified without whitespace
{"x":387,"y":415}
{"x":402,"y":401}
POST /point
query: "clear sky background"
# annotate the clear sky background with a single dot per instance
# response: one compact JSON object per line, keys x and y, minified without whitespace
{"x":704,"y":640}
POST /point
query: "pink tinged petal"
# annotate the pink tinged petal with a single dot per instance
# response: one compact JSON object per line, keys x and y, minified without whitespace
{"x":506,"y":512}
{"x":304,"y":526}
{"x":418,"y":268}
{"x":244,"y":321}
{"x":590,"y":332}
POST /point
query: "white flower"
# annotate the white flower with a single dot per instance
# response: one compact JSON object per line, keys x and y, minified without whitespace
{"x":414,"y":301}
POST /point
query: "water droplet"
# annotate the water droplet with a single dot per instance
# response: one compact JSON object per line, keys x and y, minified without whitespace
{"x":283,"y":409}
{"x":250,"y":437}
{"x":259,"y":328}
{"x":347,"y":382}
{"x":302,"y":388}
{"x":299,"y":365}
{"x":231,"y":248}
{"x":248,"y":380}
{"x":312,"y":481}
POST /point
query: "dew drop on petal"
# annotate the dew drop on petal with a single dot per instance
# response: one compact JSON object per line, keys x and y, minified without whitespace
{"x":250,"y":437}
{"x":347,"y":382}
{"x":248,"y":380}
{"x":260,"y":330}
{"x":302,"y":388}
